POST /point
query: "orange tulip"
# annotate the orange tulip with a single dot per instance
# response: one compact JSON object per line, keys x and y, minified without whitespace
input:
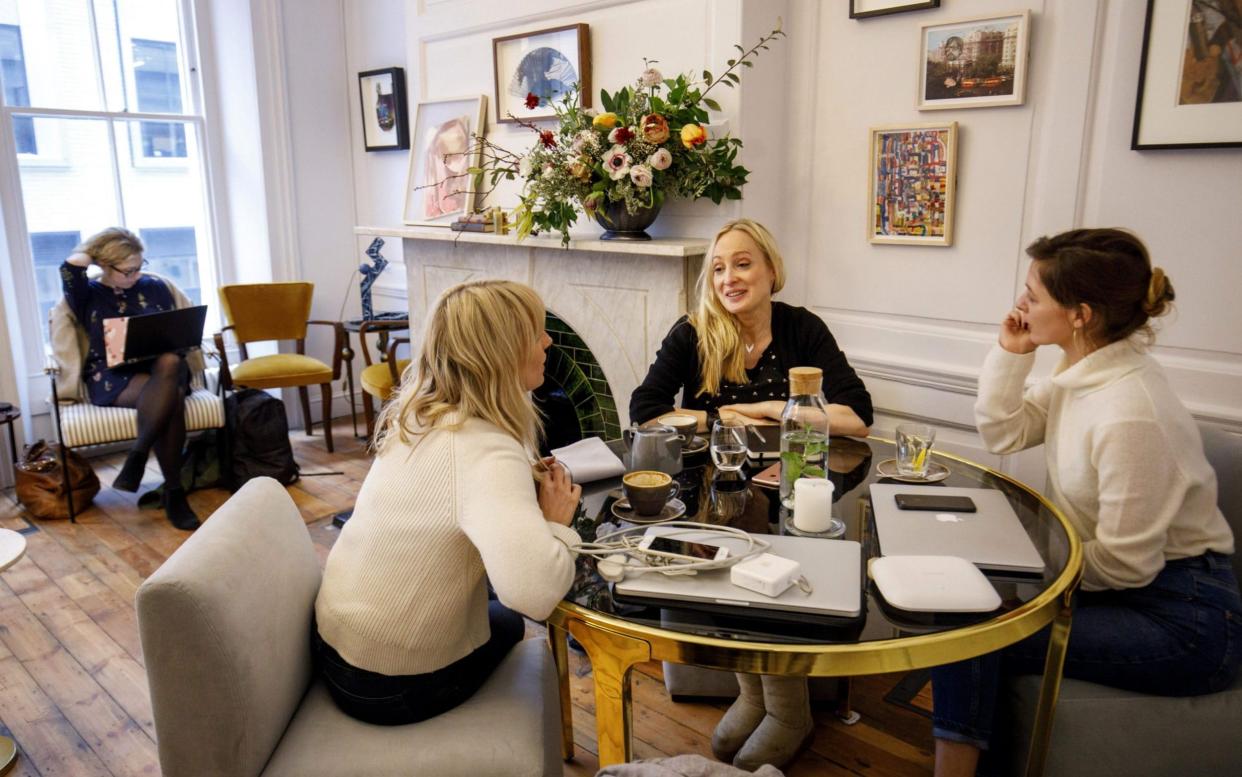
{"x":693,"y":135}
{"x":605,"y":121}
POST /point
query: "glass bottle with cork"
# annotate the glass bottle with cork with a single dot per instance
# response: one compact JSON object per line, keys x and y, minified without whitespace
{"x":804,"y":431}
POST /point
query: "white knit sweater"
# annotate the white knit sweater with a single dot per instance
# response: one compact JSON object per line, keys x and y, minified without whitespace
{"x":404,"y":587}
{"x":1125,"y":460}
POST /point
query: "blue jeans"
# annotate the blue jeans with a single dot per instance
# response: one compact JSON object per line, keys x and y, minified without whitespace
{"x":1180,"y":635}
{"x":394,"y":700}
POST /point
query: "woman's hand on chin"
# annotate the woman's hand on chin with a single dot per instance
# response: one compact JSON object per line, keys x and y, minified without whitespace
{"x":1015,"y":336}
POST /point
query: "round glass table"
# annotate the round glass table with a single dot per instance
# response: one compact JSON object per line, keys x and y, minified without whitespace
{"x":617,"y":636}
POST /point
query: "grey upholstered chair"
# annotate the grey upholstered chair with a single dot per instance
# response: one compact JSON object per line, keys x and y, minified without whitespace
{"x":225,"y":626}
{"x":1102,"y":732}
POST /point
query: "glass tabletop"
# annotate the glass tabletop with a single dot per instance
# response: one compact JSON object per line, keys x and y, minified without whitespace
{"x":853,"y":468}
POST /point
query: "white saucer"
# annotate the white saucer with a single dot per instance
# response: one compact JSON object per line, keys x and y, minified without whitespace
{"x":935,"y":472}
{"x":673,"y":509}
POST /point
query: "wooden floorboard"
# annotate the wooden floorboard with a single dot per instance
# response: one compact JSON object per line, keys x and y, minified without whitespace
{"x":73,"y":691}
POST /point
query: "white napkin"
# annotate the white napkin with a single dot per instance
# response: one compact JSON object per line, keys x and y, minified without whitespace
{"x":589,"y":459}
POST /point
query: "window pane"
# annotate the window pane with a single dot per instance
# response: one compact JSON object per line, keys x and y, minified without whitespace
{"x":56,"y":35}
{"x":173,"y":253}
{"x":150,"y":41}
{"x":49,"y":250}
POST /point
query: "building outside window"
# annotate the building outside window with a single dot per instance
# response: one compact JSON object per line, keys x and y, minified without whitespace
{"x":158,"y":89}
{"x":13,"y":78}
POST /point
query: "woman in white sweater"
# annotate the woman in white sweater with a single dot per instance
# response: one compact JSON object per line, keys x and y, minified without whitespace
{"x":456,"y":497}
{"x":1159,"y":611}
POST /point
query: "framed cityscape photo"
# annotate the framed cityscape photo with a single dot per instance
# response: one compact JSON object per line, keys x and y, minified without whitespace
{"x":535,"y":69}
{"x":864,"y":9}
{"x":1190,"y":76}
{"x":439,"y":185}
{"x":974,"y":63}
{"x":384,"y":124}
{"x":913,"y":183}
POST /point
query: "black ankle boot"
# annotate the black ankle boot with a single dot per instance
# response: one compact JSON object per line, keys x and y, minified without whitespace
{"x":130,"y":476}
{"x":178,"y":510}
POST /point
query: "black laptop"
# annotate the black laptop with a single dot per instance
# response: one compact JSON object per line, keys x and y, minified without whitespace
{"x":170,"y":331}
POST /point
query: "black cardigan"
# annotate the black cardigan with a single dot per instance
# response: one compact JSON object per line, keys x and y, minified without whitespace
{"x":799,"y":339}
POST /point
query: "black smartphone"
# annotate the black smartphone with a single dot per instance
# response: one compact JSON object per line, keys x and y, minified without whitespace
{"x":935,"y":502}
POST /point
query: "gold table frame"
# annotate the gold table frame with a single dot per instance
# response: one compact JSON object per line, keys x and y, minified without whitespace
{"x":615,"y":646}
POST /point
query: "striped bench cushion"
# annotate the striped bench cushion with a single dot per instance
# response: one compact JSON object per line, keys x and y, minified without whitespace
{"x":85,"y":424}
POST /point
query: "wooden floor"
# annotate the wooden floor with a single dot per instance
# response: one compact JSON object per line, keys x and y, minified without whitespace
{"x":73,"y":691}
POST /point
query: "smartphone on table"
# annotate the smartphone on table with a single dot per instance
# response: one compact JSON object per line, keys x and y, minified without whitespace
{"x":935,"y":502}
{"x":693,"y":550}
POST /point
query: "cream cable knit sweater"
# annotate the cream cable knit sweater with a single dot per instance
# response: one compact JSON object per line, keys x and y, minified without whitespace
{"x":404,"y":588}
{"x":1125,"y":460}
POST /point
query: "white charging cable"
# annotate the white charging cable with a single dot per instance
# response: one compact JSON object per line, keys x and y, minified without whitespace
{"x":618,"y":553}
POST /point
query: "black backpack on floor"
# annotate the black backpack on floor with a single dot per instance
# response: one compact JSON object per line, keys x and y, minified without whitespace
{"x":259,"y":437}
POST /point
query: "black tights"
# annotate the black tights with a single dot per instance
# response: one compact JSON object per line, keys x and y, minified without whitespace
{"x":159,"y":397}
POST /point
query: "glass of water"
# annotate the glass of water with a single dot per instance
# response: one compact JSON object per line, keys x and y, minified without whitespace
{"x":728,"y":445}
{"x":914,"y":445}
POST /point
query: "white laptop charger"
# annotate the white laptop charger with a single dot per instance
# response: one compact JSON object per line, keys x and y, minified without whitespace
{"x":767,"y":574}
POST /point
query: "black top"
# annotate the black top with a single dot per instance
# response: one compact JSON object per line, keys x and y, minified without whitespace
{"x":799,"y":339}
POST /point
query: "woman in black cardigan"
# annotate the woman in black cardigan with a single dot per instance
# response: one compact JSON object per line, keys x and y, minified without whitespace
{"x":732,"y":357}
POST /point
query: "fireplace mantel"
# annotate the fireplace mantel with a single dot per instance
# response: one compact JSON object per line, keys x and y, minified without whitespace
{"x":620,"y":297}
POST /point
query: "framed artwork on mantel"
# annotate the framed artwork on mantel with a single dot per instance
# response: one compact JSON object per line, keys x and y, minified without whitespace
{"x":913,"y":185}
{"x":865,"y":9}
{"x":1190,"y":76}
{"x":439,"y":185}
{"x":535,"y":69}
{"x":384,"y":123}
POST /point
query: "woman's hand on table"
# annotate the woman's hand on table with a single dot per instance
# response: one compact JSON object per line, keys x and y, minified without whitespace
{"x":558,"y":495}
{"x":754,"y":412}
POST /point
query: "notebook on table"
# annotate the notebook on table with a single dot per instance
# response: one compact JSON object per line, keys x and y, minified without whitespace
{"x":763,"y":442}
{"x":992,"y":537}
{"x":832,"y":567}
{"x":134,"y":339}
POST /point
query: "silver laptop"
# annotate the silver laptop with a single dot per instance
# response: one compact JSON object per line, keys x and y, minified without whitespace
{"x":992,"y":537}
{"x":833,"y":568}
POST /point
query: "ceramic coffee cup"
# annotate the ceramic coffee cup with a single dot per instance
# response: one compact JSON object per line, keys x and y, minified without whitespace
{"x":648,"y":491}
{"x":684,"y":424}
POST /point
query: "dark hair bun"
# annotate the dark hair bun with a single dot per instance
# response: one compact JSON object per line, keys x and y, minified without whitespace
{"x":1159,"y":294}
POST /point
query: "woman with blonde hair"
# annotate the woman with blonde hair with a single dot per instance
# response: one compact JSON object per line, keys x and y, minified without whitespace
{"x":731,"y":358}
{"x":156,"y":388}
{"x":456,"y":499}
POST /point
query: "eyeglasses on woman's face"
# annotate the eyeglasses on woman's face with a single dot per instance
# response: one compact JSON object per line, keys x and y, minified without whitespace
{"x":130,"y":273}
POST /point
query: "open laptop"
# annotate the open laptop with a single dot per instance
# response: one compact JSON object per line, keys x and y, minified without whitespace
{"x":151,"y":334}
{"x":992,"y":537}
{"x":832,"y":567}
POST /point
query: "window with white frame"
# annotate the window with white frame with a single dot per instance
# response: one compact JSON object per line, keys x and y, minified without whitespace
{"x":102,"y":106}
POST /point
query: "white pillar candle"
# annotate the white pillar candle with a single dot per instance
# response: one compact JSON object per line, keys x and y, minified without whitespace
{"x":812,"y":504}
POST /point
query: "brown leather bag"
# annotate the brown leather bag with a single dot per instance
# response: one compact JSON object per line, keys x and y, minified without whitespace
{"x":41,"y":481}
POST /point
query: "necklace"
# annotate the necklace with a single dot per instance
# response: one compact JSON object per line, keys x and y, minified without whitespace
{"x":750,"y":347}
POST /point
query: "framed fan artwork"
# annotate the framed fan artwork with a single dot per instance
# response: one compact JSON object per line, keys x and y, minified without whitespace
{"x":535,"y":69}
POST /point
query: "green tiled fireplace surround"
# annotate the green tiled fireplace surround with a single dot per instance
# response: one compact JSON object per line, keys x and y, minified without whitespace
{"x":573,"y":367}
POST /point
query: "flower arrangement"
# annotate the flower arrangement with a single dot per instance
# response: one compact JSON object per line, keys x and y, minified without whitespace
{"x":648,"y":143}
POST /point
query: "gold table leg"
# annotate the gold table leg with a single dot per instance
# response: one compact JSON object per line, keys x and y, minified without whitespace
{"x":612,"y":657}
{"x":8,"y":754}
{"x":560,"y":655}
{"x":1049,"y":688}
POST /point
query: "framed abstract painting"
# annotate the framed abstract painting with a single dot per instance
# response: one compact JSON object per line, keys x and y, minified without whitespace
{"x":439,"y":185}
{"x":913,"y":184}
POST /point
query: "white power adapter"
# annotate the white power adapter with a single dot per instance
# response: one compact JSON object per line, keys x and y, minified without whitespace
{"x":766,"y":573}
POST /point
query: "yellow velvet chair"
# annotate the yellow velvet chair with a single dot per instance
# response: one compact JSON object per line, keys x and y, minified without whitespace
{"x":278,"y":311}
{"x":380,"y":379}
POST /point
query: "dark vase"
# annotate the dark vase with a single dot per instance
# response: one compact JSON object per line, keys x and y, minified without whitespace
{"x":620,"y":224}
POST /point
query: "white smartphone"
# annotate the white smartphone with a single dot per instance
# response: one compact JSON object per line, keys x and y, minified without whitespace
{"x":693,"y":550}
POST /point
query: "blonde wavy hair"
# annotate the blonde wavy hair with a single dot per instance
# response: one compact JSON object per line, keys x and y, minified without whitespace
{"x":110,"y":247}
{"x":478,"y":338}
{"x":721,"y":353}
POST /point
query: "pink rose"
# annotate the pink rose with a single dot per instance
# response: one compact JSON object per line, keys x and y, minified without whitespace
{"x":640,"y":175}
{"x":661,"y":159}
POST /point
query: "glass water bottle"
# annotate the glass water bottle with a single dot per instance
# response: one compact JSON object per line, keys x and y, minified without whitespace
{"x":804,"y":431}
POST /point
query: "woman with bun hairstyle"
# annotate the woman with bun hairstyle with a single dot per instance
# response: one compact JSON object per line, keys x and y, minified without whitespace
{"x":1159,"y":610}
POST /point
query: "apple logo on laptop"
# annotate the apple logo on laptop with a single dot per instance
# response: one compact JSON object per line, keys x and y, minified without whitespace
{"x":949,"y":518}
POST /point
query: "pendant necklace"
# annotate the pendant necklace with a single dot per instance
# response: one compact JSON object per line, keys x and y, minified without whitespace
{"x":750,"y":347}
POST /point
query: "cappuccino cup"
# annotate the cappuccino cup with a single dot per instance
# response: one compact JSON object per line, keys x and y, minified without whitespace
{"x":683,"y":423}
{"x":648,"y":490}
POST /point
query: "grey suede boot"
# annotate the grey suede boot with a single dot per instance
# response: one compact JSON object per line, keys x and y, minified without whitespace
{"x":786,"y":728}
{"x":741,"y":719}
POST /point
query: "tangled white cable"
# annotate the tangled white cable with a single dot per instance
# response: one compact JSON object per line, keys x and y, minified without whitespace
{"x":618,"y":553}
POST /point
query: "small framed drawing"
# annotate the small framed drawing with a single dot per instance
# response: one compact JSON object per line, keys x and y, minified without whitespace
{"x":439,"y":185}
{"x":913,"y":184}
{"x":1190,"y":79}
{"x":535,"y":69}
{"x":382,"y":93}
{"x":863,"y":9}
{"x":974,"y":63}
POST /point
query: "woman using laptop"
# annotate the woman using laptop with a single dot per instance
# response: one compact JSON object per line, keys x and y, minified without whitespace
{"x":731,"y":358}
{"x":405,"y":628}
{"x":156,"y":388}
{"x":1159,"y":606}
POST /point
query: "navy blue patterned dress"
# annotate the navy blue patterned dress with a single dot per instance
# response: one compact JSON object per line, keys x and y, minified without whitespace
{"x":92,"y":302}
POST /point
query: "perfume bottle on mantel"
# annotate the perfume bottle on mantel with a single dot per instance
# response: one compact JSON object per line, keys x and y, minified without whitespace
{"x":804,"y":431}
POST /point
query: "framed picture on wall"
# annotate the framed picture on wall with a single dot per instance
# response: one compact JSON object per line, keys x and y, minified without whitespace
{"x":439,"y":186}
{"x":382,"y":93}
{"x":913,"y":183}
{"x":535,"y":69}
{"x":1190,"y":76}
{"x":974,"y":63}
{"x":863,"y":9}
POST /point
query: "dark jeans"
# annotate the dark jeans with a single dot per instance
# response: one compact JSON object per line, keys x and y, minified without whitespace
{"x":1180,"y":635}
{"x":394,"y":700}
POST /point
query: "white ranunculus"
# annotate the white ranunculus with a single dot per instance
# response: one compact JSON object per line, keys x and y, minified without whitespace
{"x":651,"y":77}
{"x":641,"y":176}
{"x":661,"y":159}
{"x":524,"y":167}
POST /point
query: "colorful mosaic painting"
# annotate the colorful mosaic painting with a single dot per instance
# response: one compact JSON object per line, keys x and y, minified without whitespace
{"x":912,"y":172}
